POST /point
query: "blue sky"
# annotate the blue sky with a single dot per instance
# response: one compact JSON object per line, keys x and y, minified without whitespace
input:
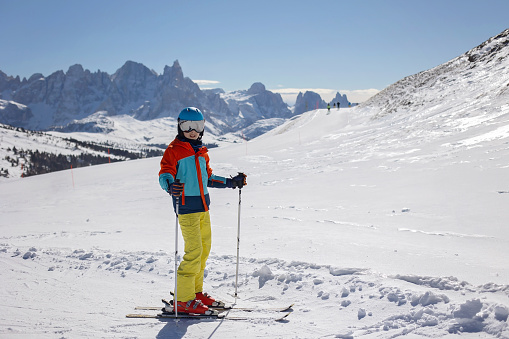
{"x":347,"y":46}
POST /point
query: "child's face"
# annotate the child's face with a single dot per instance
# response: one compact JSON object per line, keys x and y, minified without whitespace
{"x":193,"y":135}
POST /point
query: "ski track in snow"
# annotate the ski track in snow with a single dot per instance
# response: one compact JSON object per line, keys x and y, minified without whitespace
{"x":451,"y":234}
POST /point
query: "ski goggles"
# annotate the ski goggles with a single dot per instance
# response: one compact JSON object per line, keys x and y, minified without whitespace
{"x":192,"y":125}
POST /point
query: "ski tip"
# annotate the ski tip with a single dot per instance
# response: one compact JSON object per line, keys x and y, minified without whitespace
{"x":221,"y":304}
{"x":283,"y":319}
{"x":289,"y":308}
{"x":167,"y":302}
{"x":147,"y":308}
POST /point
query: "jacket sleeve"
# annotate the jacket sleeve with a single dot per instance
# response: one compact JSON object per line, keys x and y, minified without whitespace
{"x":169,"y":162}
{"x":219,"y":182}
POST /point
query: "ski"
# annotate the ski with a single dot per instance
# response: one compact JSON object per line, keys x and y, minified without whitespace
{"x":184,"y":316}
{"x":225,"y":308}
{"x":222,"y":316}
{"x":288,"y":308}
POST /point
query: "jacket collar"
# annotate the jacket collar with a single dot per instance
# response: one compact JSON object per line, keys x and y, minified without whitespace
{"x":195,"y":147}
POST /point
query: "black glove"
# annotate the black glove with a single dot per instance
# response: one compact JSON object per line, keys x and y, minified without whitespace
{"x":239,"y":180}
{"x":176,"y":188}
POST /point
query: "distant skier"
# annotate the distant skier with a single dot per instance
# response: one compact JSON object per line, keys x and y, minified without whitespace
{"x":187,"y":161}
{"x":338,"y":105}
{"x":328,"y":108}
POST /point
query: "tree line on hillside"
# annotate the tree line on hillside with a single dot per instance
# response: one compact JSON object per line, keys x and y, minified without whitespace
{"x":43,"y":162}
{"x":144,"y":153}
{"x":33,"y":162}
{"x":36,"y":162}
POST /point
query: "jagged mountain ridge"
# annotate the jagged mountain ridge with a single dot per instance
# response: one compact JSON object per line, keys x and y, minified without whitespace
{"x":80,"y":101}
{"x":62,"y":100}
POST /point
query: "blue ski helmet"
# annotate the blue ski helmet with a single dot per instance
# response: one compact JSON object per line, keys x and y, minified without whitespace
{"x":190,"y":114}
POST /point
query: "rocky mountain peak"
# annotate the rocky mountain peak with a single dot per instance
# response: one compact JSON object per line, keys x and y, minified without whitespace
{"x":134,"y":71}
{"x":75,"y":71}
{"x":256,"y":88}
{"x":308,"y":101}
{"x":489,"y":50}
{"x":35,"y":77}
{"x":173,"y":74}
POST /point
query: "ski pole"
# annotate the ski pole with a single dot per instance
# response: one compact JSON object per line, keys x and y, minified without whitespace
{"x":175,"y":301}
{"x":238,"y":244}
{"x":176,"y":250}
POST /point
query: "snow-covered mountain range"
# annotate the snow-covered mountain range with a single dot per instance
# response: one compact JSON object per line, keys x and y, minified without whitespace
{"x":64,"y":99}
{"x":80,"y":101}
{"x":387,"y":220}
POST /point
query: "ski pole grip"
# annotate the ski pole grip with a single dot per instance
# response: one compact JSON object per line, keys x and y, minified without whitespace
{"x":244,"y":180}
{"x":177,"y":181}
{"x":168,"y":182}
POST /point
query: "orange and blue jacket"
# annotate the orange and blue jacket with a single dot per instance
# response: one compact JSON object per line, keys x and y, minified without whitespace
{"x":191,"y":167}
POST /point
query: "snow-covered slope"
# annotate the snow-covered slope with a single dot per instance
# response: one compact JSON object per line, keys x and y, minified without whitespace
{"x":376,"y":222}
{"x":470,"y":84}
{"x":367,"y":243}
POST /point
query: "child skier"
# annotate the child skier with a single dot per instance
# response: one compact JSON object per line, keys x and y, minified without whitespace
{"x":185,"y":173}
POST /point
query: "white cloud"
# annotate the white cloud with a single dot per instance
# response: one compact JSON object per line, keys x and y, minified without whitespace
{"x":289,"y":95}
{"x":206,"y":82}
{"x":359,"y":95}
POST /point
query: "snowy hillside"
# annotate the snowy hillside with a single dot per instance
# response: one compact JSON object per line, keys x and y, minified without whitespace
{"x":369,"y":240}
{"x":476,"y":80}
{"x":26,"y":153}
{"x":124,"y":129}
{"x":381,"y":221}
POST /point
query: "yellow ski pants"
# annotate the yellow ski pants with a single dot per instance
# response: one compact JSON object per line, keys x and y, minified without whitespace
{"x":197,"y":235}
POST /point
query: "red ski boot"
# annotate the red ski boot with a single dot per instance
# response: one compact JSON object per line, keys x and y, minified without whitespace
{"x":207,"y":300}
{"x":191,"y":306}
